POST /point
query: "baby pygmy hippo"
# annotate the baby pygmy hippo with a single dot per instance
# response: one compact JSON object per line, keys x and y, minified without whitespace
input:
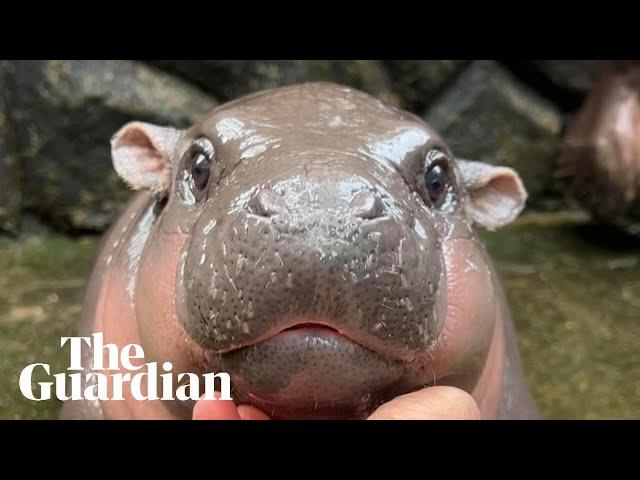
{"x":317,"y":245}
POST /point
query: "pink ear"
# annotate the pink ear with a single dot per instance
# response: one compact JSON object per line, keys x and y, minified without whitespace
{"x":496,"y":195}
{"x":141,"y":152}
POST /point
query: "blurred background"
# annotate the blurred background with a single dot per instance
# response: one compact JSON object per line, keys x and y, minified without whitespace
{"x":570,"y":264}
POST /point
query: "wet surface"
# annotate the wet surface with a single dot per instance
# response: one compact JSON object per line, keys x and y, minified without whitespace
{"x":574,"y":290}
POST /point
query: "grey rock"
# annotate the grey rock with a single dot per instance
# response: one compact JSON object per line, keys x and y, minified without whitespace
{"x":487,"y":115}
{"x":10,"y":192}
{"x":229,"y":79}
{"x":577,"y":76}
{"x":65,"y":113}
{"x":417,"y":82}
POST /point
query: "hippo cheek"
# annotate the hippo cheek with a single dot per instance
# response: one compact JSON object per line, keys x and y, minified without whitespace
{"x":466,"y":337}
{"x":161,"y":333}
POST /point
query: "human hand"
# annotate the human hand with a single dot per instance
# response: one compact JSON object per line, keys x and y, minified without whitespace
{"x":433,"y":403}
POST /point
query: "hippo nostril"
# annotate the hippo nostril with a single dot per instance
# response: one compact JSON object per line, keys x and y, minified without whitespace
{"x":366,"y":205}
{"x":267,"y":204}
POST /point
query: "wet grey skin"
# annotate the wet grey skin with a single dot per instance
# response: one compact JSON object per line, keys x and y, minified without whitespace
{"x":315,"y":217}
{"x":312,"y":268}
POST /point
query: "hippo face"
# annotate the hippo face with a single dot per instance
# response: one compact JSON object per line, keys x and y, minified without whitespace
{"x":300,"y":236}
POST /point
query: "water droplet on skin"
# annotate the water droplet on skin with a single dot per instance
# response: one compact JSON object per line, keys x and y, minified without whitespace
{"x":408,"y":304}
{"x":245,"y":328}
{"x":240,"y":265}
{"x":374,"y":236}
{"x":290,"y":280}
{"x":420,"y":231}
{"x":369,"y":263}
{"x":208,"y":227}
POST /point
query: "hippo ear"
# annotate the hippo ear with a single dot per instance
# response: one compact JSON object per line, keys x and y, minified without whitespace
{"x":496,"y":195}
{"x":140,"y":153}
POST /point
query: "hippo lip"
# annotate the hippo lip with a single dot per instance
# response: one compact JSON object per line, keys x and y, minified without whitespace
{"x":322,"y":326}
{"x":310,"y":369}
{"x":309,"y":325}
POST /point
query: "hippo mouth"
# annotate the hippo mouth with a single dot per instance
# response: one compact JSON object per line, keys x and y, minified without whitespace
{"x":311,"y":369}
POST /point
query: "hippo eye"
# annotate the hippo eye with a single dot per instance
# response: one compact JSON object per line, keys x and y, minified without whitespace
{"x":200,"y":170}
{"x":436,"y":177}
{"x":198,"y":163}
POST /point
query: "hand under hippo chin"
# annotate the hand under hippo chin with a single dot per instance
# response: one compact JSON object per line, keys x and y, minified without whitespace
{"x":318,"y":246}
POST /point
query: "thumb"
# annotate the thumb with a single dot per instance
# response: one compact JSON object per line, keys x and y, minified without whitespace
{"x":215,"y":410}
{"x":432,"y":403}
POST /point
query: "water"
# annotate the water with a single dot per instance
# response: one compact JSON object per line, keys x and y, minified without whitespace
{"x":574,"y":291}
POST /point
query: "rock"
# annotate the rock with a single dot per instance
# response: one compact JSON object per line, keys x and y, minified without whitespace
{"x":10,"y":193}
{"x":417,"y":82}
{"x":229,"y":79}
{"x":65,"y":112}
{"x":487,"y":115}
{"x":578,"y":76}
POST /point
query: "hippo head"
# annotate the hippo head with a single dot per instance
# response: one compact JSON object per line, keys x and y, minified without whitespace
{"x":317,"y":245}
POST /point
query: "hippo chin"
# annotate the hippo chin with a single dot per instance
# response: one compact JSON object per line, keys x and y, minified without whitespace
{"x":318,"y":246}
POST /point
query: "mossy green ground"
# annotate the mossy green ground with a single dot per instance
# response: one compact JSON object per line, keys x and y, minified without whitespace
{"x":41,"y":289}
{"x":574,"y":291}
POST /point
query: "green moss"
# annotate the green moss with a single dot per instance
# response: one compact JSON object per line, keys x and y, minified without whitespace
{"x":574,"y":291}
{"x":41,"y":288}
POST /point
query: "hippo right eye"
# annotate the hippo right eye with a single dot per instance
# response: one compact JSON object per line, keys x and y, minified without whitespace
{"x":438,"y":181}
{"x":196,"y":174}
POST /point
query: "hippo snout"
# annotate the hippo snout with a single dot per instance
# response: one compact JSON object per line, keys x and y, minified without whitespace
{"x":311,"y":251}
{"x":365,"y":205}
{"x":323,"y":210}
{"x":325,"y":274}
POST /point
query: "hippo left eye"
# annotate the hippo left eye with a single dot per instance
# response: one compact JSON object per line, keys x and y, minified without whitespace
{"x":200,"y":170}
{"x":198,"y":163}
